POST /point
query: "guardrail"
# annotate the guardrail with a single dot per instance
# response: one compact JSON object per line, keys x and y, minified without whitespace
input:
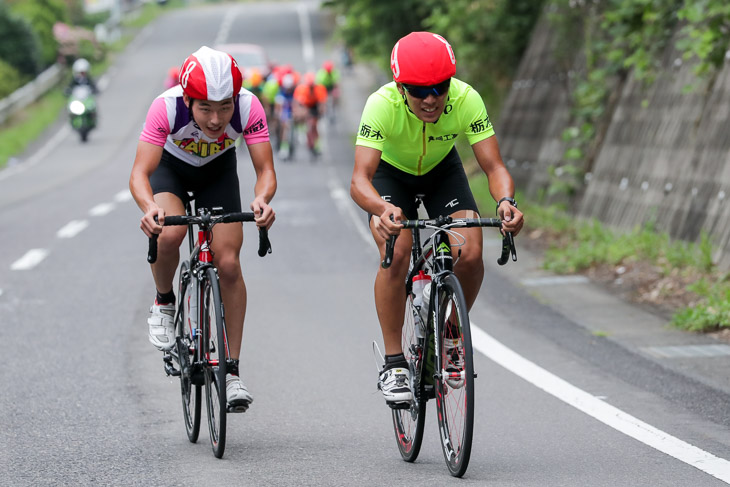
{"x":27,"y":94}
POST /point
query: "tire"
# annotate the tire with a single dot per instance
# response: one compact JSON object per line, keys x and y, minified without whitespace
{"x":214,"y":354}
{"x":454,"y":391}
{"x":408,"y":423}
{"x":188,"y":354}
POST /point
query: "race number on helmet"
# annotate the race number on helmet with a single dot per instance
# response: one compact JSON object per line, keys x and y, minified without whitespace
{"x":422,"y":58}
{"x":212,"y":75}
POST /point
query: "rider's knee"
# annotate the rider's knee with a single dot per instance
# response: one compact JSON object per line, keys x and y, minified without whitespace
{"x":471,"y":258}
{"x":171,"y":238}
{"x":229,"y":266}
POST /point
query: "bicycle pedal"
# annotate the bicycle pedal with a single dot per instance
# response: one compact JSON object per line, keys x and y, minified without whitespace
{"x":237,"y":409}
{"x":399,"y":405}
{"x":170,"y":369}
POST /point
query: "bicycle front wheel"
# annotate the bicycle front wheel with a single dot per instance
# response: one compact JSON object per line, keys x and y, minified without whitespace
{"x":215,"y":353}
{"x":455,"y":383}
{"x":408,"y":422}
{"x":188,"y":355}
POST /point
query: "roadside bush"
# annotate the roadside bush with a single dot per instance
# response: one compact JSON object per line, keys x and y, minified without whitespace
{"x":42,"y":15}
{"x":19,"y":46}
{"x":10,"y":79}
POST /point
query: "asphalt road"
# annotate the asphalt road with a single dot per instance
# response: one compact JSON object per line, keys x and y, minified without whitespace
{"x":84,"y":397}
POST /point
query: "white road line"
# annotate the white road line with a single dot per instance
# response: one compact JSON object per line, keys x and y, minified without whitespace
{"x":600,"y":410}
{"x":225,"y":28}
{"x":307,"y":43}
{"x":347,"y":208}
{"x":31,"y":259}
{"x":101,"y":209}
{"x":41,"y":154}
{"x":72,"y":228}
{"x":123,"y":196}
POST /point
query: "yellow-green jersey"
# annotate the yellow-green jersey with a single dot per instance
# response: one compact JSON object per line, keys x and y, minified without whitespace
{"x":414,"y":146}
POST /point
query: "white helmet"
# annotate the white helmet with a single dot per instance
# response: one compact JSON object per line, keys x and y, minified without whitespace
{"x":81,"y":65}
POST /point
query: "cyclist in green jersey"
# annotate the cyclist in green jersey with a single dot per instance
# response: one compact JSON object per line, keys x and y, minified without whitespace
{"x":405,"y":146}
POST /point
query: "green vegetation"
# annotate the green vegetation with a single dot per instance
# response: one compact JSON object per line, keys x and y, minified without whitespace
{"x":26,"y":126}
{"x":488,"y":36}
{"x":613,"y":39}
{"x":579,"y":245}
{"x":30,"y":124}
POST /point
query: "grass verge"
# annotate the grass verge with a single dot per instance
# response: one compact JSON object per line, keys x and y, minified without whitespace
{"x":679,"y":276}
{"x":27,"y":125}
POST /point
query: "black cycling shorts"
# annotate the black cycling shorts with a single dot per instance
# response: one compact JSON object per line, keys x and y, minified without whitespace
{"x":445,"y":188}
{"x":214,"y":184}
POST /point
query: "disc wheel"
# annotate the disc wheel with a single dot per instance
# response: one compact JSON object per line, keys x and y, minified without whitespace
{"x":455,"y":384}
{"x":214,"y":355}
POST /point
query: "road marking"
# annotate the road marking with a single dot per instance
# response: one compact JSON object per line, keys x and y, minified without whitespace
{"x":72,"y":228}
{"x":553,"y":280}
{"x":600,"y":410}
{"x":307,"y":43}
{"x":31,"y":259}
{"x":225,"y":28}
{"x":123,"y":196}
{"x":101,"y":209}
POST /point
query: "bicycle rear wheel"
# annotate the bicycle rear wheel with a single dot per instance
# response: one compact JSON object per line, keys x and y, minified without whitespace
{"x":215,"y":353}
{"x":455,"y":384}
{"x":408,"y":423}
{"x":188,"y":354}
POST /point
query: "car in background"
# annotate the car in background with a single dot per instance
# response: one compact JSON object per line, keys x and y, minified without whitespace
{"x":248,"y":57}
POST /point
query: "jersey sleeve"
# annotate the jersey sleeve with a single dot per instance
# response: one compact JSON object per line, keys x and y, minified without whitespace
{"x":256,"y":130}
{"x":477,"y":125}
{"x":156,"y":125}
{"x":374,"y":123}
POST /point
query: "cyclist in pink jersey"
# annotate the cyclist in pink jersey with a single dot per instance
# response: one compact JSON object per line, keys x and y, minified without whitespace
{"x":187,"y":147}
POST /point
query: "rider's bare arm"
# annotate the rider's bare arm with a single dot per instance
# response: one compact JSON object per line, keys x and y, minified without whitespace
{"x":145,"y":162}
{"x":366,"y":196}
{"x":500,"y":182}
{"x":265,"y":187}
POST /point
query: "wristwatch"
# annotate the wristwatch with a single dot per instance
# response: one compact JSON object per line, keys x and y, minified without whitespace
{"x":506,"y":198}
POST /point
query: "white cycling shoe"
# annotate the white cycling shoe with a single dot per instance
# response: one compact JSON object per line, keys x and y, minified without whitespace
{"x":237,"y":396}
{"x":394,"y":383}
{"x":162,"y":326}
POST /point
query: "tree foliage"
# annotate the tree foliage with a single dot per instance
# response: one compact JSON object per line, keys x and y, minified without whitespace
{"x":42,"y":15}
{"x":19,"y":45}
{"x":488,"y":36}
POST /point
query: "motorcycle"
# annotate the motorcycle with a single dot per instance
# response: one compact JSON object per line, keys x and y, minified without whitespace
{"x":82,"y":110}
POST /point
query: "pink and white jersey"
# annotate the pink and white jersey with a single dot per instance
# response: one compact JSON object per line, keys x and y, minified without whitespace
{"x":170,"y":125}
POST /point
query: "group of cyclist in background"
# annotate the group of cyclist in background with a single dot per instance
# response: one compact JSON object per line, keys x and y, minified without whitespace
{"x":292,"y":102}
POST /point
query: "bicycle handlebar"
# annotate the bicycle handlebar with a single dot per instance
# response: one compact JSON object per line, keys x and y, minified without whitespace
{"x":508,"y":241}
{"x":210,"y":220}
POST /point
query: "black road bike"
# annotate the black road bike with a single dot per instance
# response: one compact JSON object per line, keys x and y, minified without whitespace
{"x":439,"y":348}
{"x":200,"y":356}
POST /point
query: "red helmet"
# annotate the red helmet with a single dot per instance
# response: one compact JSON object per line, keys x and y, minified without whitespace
{"x":212,"y":75}
{"x":422,"y":58}
{"x":328,"y":66}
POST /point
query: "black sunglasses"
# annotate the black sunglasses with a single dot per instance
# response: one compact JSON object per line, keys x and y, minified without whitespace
{"x":418,"y":91}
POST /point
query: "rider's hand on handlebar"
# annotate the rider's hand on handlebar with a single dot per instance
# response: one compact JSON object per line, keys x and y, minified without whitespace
{"x":386,"y":225}
{"x":512,"y":219}
{"x":148,"y":224}
{"x":265,"y":215}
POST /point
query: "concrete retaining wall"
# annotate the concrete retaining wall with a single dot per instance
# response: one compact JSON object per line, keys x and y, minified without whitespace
{"x":664,"y":156}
